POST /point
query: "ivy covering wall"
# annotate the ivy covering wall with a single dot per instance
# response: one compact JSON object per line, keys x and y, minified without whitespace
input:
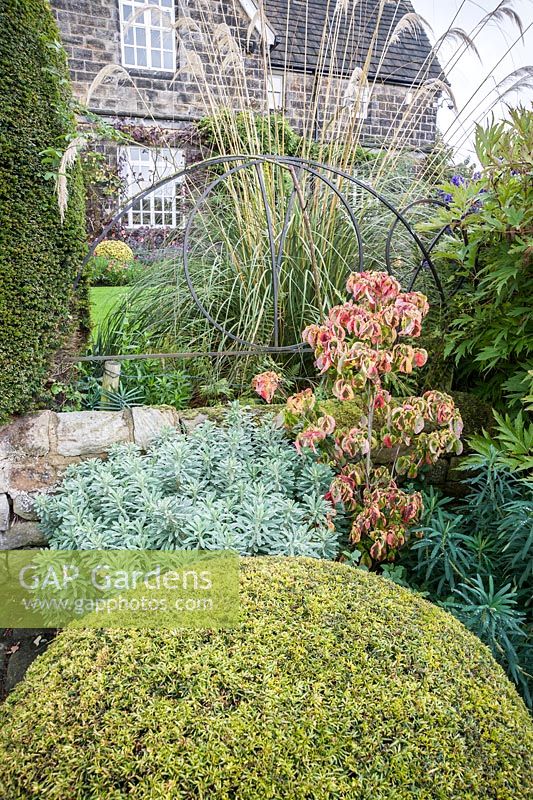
{"x":39,"y":254}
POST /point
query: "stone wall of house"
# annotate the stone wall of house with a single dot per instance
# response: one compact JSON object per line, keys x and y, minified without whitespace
{"x":173,"y":102}
{"x":393,"y":119}
{"x":90,"y":31}
{"x":390,"y":117}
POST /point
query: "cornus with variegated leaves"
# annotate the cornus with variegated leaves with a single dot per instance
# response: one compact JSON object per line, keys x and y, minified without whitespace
{"x":359,"y":345}
{"x":358,"y":340}
{"x":301,"y":402}
{"x":266,"y":384}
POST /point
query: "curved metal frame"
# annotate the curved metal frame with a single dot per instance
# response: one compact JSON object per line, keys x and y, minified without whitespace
{"x":237,"y":163}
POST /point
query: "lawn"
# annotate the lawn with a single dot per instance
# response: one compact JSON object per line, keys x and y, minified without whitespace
{"x":102,"y":300}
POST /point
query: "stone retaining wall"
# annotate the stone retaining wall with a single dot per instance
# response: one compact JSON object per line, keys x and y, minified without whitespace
{"x":35,"y":451}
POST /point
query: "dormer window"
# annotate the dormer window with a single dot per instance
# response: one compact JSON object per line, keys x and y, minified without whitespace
{"x":147,"y":35}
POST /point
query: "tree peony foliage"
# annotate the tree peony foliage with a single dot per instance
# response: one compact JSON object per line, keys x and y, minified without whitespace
{"x":358,"y":344}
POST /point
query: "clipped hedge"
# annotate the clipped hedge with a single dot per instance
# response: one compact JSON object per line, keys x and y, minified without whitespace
{"x":336,"y":684}
{"x":39,"y":256}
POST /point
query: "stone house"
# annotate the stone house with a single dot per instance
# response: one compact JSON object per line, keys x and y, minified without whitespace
{"x":149,"y":67}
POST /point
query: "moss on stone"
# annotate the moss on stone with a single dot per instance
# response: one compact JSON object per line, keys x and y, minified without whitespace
{"x":212,"y":413}
{"x":335,"y":684}
{"x":218,"y":413}
{"x":476,"y":414}
{"x":347,"y":414}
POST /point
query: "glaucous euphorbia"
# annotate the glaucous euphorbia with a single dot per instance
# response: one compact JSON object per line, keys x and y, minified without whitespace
{"x":356,"y":347}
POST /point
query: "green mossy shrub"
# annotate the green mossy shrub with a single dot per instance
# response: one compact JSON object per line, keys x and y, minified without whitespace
{"x":476,"y":414}
{"x":336,"y":684}
{"x":39,"y":255}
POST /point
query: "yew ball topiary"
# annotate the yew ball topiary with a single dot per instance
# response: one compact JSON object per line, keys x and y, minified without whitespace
{"x":336,"y":684}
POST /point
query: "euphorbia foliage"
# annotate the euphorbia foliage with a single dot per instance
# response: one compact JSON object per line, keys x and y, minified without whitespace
{"x":358,"y":344}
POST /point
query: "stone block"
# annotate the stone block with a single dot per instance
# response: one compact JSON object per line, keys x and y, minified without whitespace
{"x":456,"y":489}
{"x":27,"y":436}
{"x":4,"y":512}
{"x":90,"y":433}
{"x":5,"y":476}
{"x":456,"y":472}
{"x":188,"y":424}
{"x":33,"y":476}
{"x":6,"y":463}
{"x":436,"y":473}
{"x":148,"y":422}
{"x":20,"y":660}
{"x":22,"y":534}
{"x":24,"y":506}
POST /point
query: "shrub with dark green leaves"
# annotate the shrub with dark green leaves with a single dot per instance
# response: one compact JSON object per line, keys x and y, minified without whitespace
{"x":511,"y":439}
{"x":491,"y":217}
{"x":334,"y":684}
{"x":39,"y":255}
{"x":475,"y":558}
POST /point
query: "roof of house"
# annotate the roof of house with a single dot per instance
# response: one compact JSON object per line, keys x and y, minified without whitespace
{"x":299,"y":26}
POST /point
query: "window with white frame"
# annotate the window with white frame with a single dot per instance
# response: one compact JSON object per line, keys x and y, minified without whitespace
{"x":147,"y":35}
{"x":364,"y":100}
{"x":360,"y":102}
{"x":275,"y":91}
{"x":356,"y":99}
{"x":140,"y":168}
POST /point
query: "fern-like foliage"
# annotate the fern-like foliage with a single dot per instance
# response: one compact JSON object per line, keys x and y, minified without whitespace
{"x":241,"y":486}
{"x":475,"y":558}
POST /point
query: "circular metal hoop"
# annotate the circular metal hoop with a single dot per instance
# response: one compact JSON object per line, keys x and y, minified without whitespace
{"x":295,"y":167}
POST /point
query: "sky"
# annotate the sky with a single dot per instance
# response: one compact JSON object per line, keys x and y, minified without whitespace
{"x":469,"y":72}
